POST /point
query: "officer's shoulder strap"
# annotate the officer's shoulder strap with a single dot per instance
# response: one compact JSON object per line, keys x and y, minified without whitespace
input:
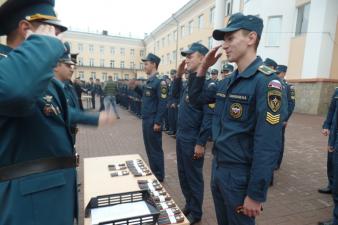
{"x":266,"y":70}
{"x":2,"y":55}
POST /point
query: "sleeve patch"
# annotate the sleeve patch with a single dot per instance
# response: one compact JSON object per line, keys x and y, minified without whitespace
{"x":164,"y":89}
{"x":272,"y":119}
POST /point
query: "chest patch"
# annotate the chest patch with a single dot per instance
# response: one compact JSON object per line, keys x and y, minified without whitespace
{"x":236,"y":110}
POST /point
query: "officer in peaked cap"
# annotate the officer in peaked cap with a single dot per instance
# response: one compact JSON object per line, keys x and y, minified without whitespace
{"x":37,"y":163}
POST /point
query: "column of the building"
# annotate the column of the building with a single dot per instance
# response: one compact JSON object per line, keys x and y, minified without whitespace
{"x":219,"y":23}
{"x":320,"y":39}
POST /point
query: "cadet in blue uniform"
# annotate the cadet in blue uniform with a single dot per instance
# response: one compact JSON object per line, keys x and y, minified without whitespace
{"x":330,"y":128}
{"x":247,"y":123}
{"x":173,"y":106}
{"x":214,"y":75}
{"x":290,"y":93}
{"x":154,"y":100}
{"x":37,"y":158}
{"x":191,"y":136}
{"x":227,"y":69}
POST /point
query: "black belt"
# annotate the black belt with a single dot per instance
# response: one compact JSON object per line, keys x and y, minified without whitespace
{"x":37,"y":166}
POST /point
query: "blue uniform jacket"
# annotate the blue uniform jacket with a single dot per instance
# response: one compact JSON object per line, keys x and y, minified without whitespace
{"x":34,"y":124}
{"x":193,"y":123}
{"x":247,"y":123}
{"x":290,"y":93}
{"x":154,"y":98}
{"x":330,"y":122}
{"x":77,"y":116}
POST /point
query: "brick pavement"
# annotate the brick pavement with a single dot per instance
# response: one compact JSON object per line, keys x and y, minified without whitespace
{"x":293,"y":200}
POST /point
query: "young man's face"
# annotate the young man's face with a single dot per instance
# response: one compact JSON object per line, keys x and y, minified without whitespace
{"x":214,"y":76}
{"x":236,"y":44}
{"x":193,"y":61}
{"x":149,"y":67}
{"x":281,"y":75}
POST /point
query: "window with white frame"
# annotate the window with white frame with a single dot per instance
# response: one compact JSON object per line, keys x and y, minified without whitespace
{"x":91,"y":62}
{"x":112,"y":50}
{"x":228,"y":8}
{"x":182,"y":31}
{"x":81,"y":74}
{"x":116,"y":76}
{"x":210,"y":41}
{"x":175,"y":35}
{"x":168,"y":58}
{"x":200,"y":21}
{"x":190,"y":27}
{"x":101,"y":49}
{"x":212,"y":15}
{"x":112,"y":63}
{"x":80,"y":47}
{"x":273,"y":31}
{"x":102,"y":62}
{"x":91,"y":48}
{"x":93,"y":75}
{"x":302,"y":19}
{"x":163,"y":42}
{"x":104,"y":76}
{"x":122,"y":64}
{"x":174,"y":56}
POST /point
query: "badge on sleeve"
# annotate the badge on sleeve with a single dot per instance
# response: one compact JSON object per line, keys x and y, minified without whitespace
{"x":211,"y":105}
{"x":236,"y":110}
{"x":272,"y":119}
{"x":164,"y":89}
{"x":274,"y":95}
{"x":292,"y":92}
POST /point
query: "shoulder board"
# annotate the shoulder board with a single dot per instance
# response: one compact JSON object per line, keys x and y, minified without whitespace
{"x":159,"y":76}
{"x":266,"y":70}
{"x":3,"y":55}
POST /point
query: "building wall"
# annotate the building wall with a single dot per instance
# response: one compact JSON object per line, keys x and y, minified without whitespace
{"x":334,"y":63}
{"x":103,"y":56}
{"x":186,"y":16}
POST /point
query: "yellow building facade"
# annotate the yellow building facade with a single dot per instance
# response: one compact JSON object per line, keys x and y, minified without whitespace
{"x":102,"y":55}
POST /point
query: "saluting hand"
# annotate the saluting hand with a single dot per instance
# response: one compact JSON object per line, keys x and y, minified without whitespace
{"x":209,"y":60}
{"x":180,"y":69}
{"x":106,"y":119}
{"x":44,"y":29}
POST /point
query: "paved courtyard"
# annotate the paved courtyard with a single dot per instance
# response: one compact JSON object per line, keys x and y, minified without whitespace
{"x":293,"y":200}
